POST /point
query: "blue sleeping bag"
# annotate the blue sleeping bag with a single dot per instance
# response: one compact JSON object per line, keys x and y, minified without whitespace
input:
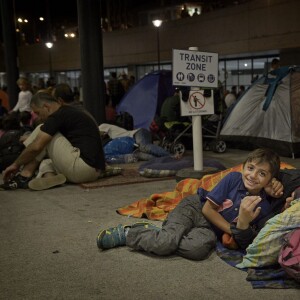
{"x":121,"y":145}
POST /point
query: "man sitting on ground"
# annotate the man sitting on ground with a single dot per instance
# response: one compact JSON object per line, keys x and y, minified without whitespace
{"x":70,"y":139}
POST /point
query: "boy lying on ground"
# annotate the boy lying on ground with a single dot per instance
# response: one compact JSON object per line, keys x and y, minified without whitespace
{"x":236,"y":206}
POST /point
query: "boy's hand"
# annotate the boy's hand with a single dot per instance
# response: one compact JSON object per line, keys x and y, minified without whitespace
{"x":248,"y":211}
{"x":274,"y":189}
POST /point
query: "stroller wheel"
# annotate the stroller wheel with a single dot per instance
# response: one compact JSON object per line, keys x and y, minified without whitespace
{"x":219,"y":146}
{"x":178,"y":149}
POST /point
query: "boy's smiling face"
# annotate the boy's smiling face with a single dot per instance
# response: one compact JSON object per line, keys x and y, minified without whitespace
{"x":256,"y":176}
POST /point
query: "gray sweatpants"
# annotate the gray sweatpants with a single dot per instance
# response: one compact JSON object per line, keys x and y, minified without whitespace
{"x":185,"y":232}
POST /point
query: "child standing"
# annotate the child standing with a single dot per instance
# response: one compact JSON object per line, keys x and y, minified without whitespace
{"x":235,"y":207}
{"x":24,"y":97}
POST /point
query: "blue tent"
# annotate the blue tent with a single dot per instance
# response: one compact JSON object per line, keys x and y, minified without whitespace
{"x":143,"y":101}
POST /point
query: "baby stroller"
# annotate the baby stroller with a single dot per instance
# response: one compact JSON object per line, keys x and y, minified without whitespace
{"x":173,"y":136}
{"x":211,"y":129}
{"x":169,"y":135}
{"x":173,"y":139}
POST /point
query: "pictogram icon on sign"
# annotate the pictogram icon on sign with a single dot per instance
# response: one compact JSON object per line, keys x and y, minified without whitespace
{"x":190,"y":77}
{"x":211,"y":78}
{"x":197,"y":100}
{"x":180,"y":76}
{"x":201,"y":77}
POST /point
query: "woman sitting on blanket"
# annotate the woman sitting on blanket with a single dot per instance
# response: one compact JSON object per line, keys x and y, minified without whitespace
{"x":236,"y":207}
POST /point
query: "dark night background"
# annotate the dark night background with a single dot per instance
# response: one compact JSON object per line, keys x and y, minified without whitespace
{"x":61,"y":15}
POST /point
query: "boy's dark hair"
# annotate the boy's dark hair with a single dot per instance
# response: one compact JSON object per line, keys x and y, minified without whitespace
{"x":264,"y":155}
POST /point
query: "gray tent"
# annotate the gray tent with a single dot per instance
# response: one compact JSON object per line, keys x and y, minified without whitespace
{"x":268,"y":114}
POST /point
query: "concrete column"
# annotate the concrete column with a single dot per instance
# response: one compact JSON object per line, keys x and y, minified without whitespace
{"x":10,"y":50}
{"x":90,"y":36}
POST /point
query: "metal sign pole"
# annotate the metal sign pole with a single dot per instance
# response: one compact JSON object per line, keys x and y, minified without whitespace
{"x":197,"y":70}
{"x":197,"y":134}
{"x":197,"y":139}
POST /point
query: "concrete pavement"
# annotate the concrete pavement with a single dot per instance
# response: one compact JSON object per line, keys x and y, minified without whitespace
{"x":48,"y":250}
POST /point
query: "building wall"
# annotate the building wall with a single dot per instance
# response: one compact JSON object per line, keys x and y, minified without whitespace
{"x":254,"y":27}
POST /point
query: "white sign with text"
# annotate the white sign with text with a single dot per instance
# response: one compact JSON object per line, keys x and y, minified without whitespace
{"x":194,"y":68}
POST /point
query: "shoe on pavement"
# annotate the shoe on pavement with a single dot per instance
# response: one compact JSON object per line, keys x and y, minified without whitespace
{"x":44,"y":183}
{"x":17,"y":182}
{"x":116,"y":236}
{"x":112,"y":237}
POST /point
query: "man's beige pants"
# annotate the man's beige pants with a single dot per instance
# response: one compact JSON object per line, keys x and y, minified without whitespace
{"x":60,"y":157}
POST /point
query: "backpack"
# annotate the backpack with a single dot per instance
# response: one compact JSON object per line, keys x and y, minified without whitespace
{"x":289,"y":256}
{"x":125,"y":120}
{"x":10,"y":148}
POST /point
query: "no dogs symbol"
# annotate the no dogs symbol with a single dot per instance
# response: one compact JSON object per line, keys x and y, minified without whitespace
{"x":197,"y":100}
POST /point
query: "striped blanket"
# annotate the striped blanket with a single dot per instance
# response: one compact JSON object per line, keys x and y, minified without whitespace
{"x":157,"y":206}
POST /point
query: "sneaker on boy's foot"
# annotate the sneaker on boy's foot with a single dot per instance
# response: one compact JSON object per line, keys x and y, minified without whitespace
{"x":112,"y":237}
{"x":44,"y":183}
{"x":17,"y":182}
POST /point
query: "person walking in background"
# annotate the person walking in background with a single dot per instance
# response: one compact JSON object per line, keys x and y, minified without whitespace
{"x":63,"y":93}
{"x":275,"y":64}
{"x":230,"y":98}
{"x":24,"y":96}
{"x":196,"y":12}
{"x":131,"y":81}
{"x":241,"y":91}
{"x":125,"y":82}
{"x":184,"y":12}
{"x":115,"y":89}
{"x":170,"y":109}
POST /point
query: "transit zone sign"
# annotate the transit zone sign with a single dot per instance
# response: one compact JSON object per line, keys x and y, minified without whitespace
{"x":194,"y":68}
{"x":197,"y":104}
